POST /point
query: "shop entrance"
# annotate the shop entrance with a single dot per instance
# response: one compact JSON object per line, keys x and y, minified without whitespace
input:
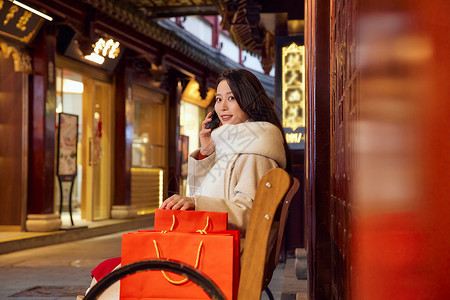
{"x":91,"y":100}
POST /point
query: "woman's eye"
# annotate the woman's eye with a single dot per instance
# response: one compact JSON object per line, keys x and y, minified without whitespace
{"x":218,"y":99}
{"x":231,"y":98}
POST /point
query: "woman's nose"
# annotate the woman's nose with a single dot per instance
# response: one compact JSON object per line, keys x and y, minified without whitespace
{"x":223,"y":105}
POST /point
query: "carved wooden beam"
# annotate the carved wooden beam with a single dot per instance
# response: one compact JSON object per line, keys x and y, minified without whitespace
{"x":22,"y":61}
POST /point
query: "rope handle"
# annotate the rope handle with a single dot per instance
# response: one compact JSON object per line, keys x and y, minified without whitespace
{"x":201,"y":231}
{"x":184,"y":279}
{"x":171,"y":227}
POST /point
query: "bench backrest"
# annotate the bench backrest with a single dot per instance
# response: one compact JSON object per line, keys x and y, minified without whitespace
{"x":273,"y":196}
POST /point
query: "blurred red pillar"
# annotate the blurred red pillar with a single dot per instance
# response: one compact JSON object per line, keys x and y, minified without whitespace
{"x":401,"y":237}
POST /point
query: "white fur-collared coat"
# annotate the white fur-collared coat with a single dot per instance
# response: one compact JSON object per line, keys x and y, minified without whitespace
{"x":226,"y":180}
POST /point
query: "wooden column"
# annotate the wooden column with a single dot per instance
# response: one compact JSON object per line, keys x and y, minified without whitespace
{"x":41,"y":215}
{"x":401,"y":241}
{"x":317,"y":154}
{"x":122,"y":146}
{"x":174,"y":168}
{"x":13,"y":135}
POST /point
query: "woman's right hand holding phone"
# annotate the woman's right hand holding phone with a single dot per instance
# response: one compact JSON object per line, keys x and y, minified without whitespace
{"x":207,"y":145}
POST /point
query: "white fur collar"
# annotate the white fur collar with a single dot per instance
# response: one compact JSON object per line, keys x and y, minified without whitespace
{"x":262,"y":138}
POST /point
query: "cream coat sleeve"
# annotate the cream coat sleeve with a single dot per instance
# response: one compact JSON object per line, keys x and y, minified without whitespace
{"x":198,"y":169}
{"x":245,"y":176}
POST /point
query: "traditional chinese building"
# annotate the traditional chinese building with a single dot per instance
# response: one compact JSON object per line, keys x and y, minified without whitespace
{"x":130,"y":78}
{"x":101,"y":100}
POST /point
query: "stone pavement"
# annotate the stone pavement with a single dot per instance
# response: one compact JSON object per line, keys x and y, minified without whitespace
{"x":14,"y":241}
{"x":62,"y":271}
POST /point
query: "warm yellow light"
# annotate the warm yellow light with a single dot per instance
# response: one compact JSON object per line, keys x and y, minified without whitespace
{"x":72,"y":86}
{"x":94,"y":57}
{"x":110,"y":48}
{"x":142,"y":212}
{"x":114,"y":50}
{"x":294,"y":138}
{"x":99,"y":45}
{"x":59,"y":108}
{"x":296,"y":26}
{"x":161,"y":186}
{"x":104,"y":49}
{"x":191,"y":94}
{"x":106,"y":46}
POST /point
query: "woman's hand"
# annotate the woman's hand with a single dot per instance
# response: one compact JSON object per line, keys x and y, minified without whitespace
{"x":207,"y":144}
{"x":178,"y":202}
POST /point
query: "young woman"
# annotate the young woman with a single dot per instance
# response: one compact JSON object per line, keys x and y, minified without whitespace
{"x":224,"y":173}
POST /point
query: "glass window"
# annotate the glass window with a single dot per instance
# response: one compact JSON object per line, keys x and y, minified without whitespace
{"x":148,"y":149}
{"x":191,"y":117}
{"x":149,"y":130}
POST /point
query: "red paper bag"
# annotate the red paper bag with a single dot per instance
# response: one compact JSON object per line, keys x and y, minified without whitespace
{"x":217,"y":255}
{"x":190,"y":220}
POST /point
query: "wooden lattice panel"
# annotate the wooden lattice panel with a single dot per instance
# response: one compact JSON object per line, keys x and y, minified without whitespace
{"x":343,"y":117}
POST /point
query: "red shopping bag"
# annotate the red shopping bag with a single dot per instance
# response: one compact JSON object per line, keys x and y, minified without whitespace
{"x":215,"y":254}
{"x":190,"y":220}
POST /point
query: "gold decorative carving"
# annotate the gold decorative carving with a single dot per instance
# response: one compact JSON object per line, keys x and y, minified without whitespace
{"x":22,"y":61}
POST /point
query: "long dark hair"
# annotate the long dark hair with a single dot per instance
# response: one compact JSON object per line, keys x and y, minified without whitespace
{"x":253,"y":100}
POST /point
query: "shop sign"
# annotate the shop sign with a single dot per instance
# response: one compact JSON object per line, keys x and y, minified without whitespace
{"x":18,"y":23}
{"x":293,"y":94}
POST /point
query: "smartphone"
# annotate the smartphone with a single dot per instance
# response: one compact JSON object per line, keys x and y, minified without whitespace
{"x":215,"y":122}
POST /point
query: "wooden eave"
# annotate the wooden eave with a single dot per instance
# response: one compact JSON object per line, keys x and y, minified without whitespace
{"x":162,"y":40}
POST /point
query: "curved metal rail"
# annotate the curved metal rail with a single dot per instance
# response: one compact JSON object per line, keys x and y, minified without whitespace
{"x":194,"y":275}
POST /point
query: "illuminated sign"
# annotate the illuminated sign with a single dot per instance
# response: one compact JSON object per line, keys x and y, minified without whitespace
{"x":19,"y":22}
{"x":293,"y":93}
{"x":295,"y":138}
{"x":104,"y":49}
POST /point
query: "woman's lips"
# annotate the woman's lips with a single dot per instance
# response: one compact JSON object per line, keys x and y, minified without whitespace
{"x":226,"y":117}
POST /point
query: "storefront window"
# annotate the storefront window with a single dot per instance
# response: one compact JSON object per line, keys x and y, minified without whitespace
{"x":148,"y":129}
{"x":191,"y":117}
{"x":148,"y":149}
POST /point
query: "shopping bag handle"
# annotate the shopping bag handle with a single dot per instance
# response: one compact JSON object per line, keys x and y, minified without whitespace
{"x":199,"y":250}
{"x":201,"y":231}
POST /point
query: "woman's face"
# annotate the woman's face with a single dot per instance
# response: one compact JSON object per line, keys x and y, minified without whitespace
{"x":227,"y":107}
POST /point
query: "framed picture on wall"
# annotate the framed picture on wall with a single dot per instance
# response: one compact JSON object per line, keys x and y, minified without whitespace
{"x":67,"y":145}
